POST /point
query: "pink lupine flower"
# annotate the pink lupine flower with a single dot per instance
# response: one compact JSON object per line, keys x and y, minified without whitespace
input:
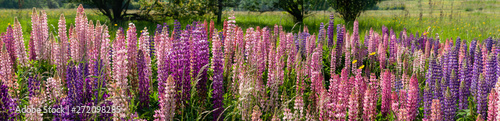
{"x":167,"y":102}
{"x":413,"y":98}
{"x":370,"y":104}
{"x":7,"y":72}
{"x":120,"y":71}
{"x":436,"y":112}
{"x":386,"y":92}
{"x":132,"y":53}
{"x":343,"y":97}
{"x":256,"y":114}
{"x":35,"y":102}
{"x":19,"y":43}
{"x":492,"y":109}
{"x":353,"y":105}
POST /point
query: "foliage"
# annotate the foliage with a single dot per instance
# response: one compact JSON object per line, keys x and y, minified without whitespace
{"x":351,"y":9}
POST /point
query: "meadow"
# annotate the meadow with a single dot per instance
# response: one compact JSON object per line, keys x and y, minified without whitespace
{"x":387,"y":65}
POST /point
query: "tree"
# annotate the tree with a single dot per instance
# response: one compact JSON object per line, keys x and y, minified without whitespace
{"x":299,"y":9}
{"x":351,"y":9}
{"x":115,"y":10}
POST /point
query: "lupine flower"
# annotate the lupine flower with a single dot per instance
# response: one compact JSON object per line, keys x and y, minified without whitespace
{"x":492,"y":103}
{"x":7,"y":71}
{"x":427,"y":98}
{"x":413,"y":98}
{"x":476,"y":69}
{"x":8,"y":105}
{"x":33,"y":86}
{"x":167,"y":102}
{"x":490,"y":71}
{"x":201,"y":57}
{"x":143,"y":80}
{"x":436,"y":112}
{"x":353,"y":105}
{"x":386,"y":92}
{"x":330,"y":31}
{"x":340,"y":38}
{"x":19,"y":43}
{"x":217,"y":61}
{"x":449,"y":106}
{"x":370,"y":104}
{"x":256,"y":114}
{"x":9,"y":42}
{"x":120,"y":71}
{"x":132,"y":54}
{"x":481,"y":95}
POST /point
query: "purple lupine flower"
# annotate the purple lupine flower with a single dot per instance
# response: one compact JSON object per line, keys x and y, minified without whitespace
{"x":454,"y":85}
{"x":490,"y":71}
{"x":217,"y":62}
{"x":33,"y":86}
{"x":8,"y":104}
{"x":177,"y":30}
{"x":476,"y":70}
{"x":331,"y":26}
{"x":181,"y":71}
{"x":472,"y":50}
{"x":449,"y":106}
{"x":464,"y":86}
{"x":481,"y":95}
{"x":436,"y":76}
{"x":321,"y":34}
{"x":143,"y":80}
{"x":201,"y":54}
{"x":340,"y":40}
{"x":488,"y":43}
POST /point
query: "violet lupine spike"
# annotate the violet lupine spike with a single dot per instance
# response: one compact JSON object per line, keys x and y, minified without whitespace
{"x":202,"y":57}
{"x":183,"y":65}
{"x":472,"y":50}
{"x":481,"y":95}
{"x":143,"y":80}
{"x":490,"y":71}
{"x":449,"y":106}
{"x":488,"y":43}
{"x":217,"y":62}
{"x":386,"y":92}
{"x":462,"y":96}
{"x":33,"y":86}
{"x":454,"y":85}
{"x":340,"y":40}
{"x":330,"y":32}
{"x":8,"y":105}
{"x":464,"y":86}
{"x":476,"y":70}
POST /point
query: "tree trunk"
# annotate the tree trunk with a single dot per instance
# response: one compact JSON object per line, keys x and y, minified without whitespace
{"x":219,"y":12}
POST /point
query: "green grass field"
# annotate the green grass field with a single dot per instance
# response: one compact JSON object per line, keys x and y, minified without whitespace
{"x":449,"y":19}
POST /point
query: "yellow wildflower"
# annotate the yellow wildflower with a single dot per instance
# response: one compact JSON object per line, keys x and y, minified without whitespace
{"x":362,"y":66}
{"x":116,"y":24}
{"x":373,"y":53}
{"x":353,"y":62}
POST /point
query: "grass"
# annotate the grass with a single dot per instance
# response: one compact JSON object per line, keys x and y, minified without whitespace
{"x":468,"y":25}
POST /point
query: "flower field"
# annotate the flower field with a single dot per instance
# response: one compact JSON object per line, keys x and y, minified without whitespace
{"x":197,"y":72}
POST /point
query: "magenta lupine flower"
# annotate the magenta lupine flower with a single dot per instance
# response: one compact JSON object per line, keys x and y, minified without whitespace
{"x":143,"y":78}
{"x":386,"y":92}
{"x":9,"y":42}
{"x":217,"y":66}
{"x":413,"y":98}
{"x":132,"y":54}
{"x":202,"y":57}
{"x":316,"y":67}
{"x":353,"y":105}
{"x":382,"y":55}
{"x":182,"y":70}
{"x":492,"y":103}
{"x":291,"y":52}
{"x":343,"y":97}
{"x":120,"y":71}
{"x":497,"y":99}
{"x":19,"y":43}
{"x":436,"y":112}
{"x":370,"y":104}
{"x":333,"y":92}
{"x":394,"y":103}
